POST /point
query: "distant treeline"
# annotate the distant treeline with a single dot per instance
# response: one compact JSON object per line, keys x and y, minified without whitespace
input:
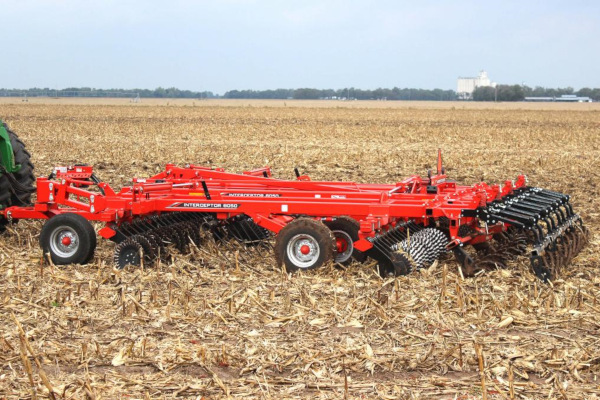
{"x":347,"y":93}
{"x":90,"y":92}
{"x":500,"y":93}
{"x":519,"y":92}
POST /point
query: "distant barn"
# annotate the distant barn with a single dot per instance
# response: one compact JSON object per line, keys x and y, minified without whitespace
{"x":565,"y":98}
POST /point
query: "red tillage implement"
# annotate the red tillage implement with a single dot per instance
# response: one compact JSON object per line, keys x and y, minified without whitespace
{"x":403,"y":226}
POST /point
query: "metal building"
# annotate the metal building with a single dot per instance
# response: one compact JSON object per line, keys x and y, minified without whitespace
{"x":466,"y":86}
{"x":565,"y":98}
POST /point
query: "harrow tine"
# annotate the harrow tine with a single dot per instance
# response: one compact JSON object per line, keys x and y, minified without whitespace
{"x":570,"y":245}
{"x":246,"y":228}
{"x":576,"y":235}
{"x":241,"y":236}
{"x":585,"y":230}
{"x":398,"y":235}
{"x":223,"y":255}
{"x":560,"y":217}
{"x":539,"y":268}
{"x":561,"y":253}
{"x":264,"y":244}
{"x":565,"y":248}
{"x":232,"y":249}
{"x":547,"y":266}
{"x":553,"y":262}
{"x":585,"y":233}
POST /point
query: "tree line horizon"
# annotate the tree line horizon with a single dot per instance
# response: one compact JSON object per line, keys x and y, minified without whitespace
{"x":500,"y":93}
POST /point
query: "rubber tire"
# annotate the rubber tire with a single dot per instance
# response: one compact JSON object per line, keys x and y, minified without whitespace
{"x":84,"y":230}
{"x":351,"y":227}
{"x":321,"y":233}
{"x":24,"y":175}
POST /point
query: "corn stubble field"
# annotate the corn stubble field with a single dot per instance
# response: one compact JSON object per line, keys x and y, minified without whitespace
{"x":200,"y":327}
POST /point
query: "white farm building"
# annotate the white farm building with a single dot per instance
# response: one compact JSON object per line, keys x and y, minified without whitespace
{"x":466,"y":86}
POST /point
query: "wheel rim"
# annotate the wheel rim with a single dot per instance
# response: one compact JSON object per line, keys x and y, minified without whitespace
{"x":303,"y":250}
{"x":129,"y":256}
{"x":64,"y":241}
{"x":344,"y":246}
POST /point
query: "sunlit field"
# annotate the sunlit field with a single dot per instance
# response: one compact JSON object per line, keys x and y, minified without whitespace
{"x":204,"y":327}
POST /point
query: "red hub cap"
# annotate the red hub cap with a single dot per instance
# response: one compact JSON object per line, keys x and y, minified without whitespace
{"x":66,"y":241}
{"x":341,"y":245}
{"x":304,"y":249}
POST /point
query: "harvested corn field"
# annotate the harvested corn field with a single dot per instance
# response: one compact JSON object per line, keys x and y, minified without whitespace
{"x":200,"y":326}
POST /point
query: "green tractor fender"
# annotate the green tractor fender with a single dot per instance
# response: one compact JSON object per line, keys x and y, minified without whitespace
{"x":7,"y":156}
{"x":16,"y":171}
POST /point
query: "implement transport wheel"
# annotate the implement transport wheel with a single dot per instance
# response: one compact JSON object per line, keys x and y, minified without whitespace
{"x":345,"y":230}
{"x":304,"y":244}
{"x":69,"y":238}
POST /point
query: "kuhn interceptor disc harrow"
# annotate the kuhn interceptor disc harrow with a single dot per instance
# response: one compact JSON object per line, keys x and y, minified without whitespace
{"x":403,"y":226}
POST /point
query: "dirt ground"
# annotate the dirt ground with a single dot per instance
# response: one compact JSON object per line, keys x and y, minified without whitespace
{"x":205,"y":326}
{"x":433,"y":105}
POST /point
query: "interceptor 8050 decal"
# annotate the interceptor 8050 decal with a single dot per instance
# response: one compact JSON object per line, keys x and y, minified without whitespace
{"x":251,"y":194}
{"x":227,"y":206}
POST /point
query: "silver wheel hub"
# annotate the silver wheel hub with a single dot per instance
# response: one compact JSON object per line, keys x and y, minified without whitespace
{"x":345,"y":255}
{"x":64,"y":242}
{"x":303,"y":250}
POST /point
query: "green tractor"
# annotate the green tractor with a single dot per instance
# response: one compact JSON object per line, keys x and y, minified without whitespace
{"x":16,"y":172}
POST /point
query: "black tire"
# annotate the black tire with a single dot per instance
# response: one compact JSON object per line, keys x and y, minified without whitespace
{"x":345,"y":228}
{"x":317,"y":238}
{"x":23,"y":176}
{"x":81,"y":237}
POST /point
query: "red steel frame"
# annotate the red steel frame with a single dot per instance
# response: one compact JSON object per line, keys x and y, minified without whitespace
{"x":270,"y":202}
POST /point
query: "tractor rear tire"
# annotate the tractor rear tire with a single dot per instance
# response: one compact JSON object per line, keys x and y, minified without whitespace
{"x":304,"y":244}
{"x":23,"y":176}
{"x":69,"y":239}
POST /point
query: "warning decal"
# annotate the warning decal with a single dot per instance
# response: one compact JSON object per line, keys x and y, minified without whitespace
{"x":227,"y":206}
{"x":251,"y":194}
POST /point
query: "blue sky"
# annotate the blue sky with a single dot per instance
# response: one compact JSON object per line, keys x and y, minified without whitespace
{"x":252,"y":44}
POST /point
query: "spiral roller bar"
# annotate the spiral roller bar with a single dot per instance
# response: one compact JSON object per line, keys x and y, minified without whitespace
{"x":424,"y":247}
{"x":406,"y":247}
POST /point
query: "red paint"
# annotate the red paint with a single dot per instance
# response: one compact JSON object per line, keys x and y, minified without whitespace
{"x":341,"y":245}
{"x":271,"y":202}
